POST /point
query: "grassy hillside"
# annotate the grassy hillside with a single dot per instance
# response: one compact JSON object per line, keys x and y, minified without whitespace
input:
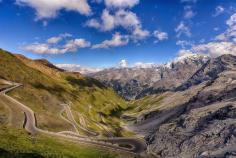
{"x":18,"y":144}
{"x":4,"y":117}
{"x":46,"y":87}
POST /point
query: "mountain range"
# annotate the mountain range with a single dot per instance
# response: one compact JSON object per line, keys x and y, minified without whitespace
{"x":137,"y":82}
{"x":197,"y":119}
{"x":185,"y":108}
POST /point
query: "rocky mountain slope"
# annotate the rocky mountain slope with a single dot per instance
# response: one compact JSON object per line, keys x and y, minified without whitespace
{"x":136,"y":82}
{"x":196,"y":120}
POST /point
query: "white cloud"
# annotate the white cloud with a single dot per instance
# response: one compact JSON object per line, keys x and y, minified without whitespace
{"x":230,"y":33}
{"x":123,"y":63}
{"x":42,"y":48}
{"x":187,"y":54}
{"x":213,"y":49}
{"x":160,"y":36}
{"x":51,"y":45}
{"x":88,"y":70}
{"x":218,"y":10}
{"x":183,"y":54}
{"x":93,"y":23}
{"x":121,"y":3}
{"x":139,"y":34}
{"x":57,"y":39}
{"x":182,"y":29}
{"x":73,"y":45}
{"x":220,"y":37}
{"x":232,"y":21}
{"x":188,"y":12}
{"x":225,"y":43}
{"x":108,"y":21}
{"x":121,"y":18}
{"x":184,"y":43}
{"x":78,"y":68}
{"x":125,"y":19}
{"x":46,"y":9}
{"x":117,"y":40}
{"x":54,"y":40}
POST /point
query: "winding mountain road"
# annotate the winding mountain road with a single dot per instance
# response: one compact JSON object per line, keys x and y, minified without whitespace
{"x":131,"y":145}
{"x":75,"y":124}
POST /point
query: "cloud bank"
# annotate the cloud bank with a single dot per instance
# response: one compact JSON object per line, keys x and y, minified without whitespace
{"x":46,"y":9}
{"x":52,"y":46}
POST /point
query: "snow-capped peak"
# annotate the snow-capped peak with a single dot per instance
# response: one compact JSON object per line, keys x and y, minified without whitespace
{"x":187,"y":57}
{"x":190,"y":56}
{"x":144,"y":65}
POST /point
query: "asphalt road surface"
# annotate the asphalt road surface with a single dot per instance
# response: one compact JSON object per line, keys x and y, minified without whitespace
{"x":131,"y":145}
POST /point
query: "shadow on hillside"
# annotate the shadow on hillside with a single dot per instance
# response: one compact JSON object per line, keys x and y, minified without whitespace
{"x":58,"y":90}
{"x":7,"y":154}
{"x":87,"y":82}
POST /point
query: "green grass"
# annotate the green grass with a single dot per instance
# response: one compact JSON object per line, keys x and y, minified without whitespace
{"x":45,"y":88}
{"x":4,"y":114}
{"x":17,"y":143}
{"x":143,"y":105}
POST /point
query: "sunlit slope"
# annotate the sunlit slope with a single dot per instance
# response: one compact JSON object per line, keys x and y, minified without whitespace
{"x":46,"y":87}
{"x":18,"y":144}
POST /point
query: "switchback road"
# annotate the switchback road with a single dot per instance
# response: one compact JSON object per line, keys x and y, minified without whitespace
{"x":131,"y":145}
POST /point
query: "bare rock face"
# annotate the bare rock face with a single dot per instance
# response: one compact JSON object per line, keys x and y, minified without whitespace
{"x":198,"y":119}
{"x":134,"y":83}
{"x":211,"y":70}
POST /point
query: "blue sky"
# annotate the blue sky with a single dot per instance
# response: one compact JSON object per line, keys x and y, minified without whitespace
{"x":101,"y":33}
